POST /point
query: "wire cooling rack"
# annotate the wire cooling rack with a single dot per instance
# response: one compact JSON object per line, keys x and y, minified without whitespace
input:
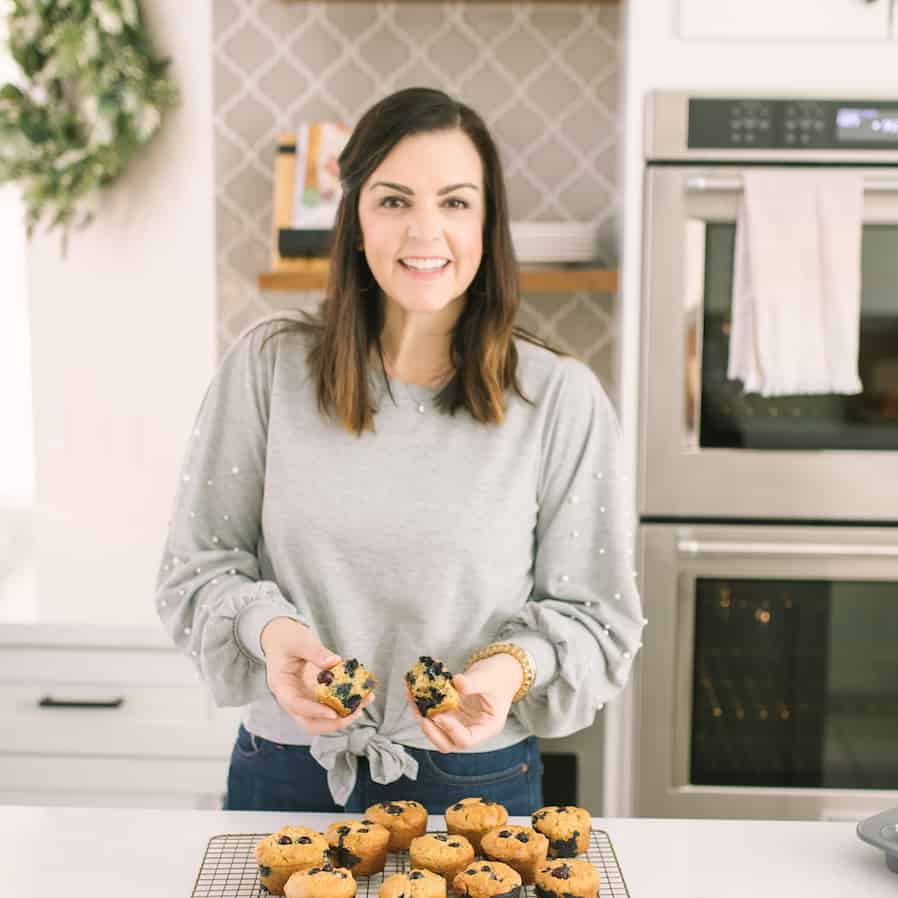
{"x":229,"y":869}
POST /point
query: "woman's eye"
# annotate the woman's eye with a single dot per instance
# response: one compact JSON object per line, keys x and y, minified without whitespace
{"x":456,"y":202}
{"x":392,"y":202}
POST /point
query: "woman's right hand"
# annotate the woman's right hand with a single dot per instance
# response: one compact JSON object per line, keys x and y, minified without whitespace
{"x":293,"y":660}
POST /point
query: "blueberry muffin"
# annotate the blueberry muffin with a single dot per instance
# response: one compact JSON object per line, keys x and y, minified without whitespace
{"x":563,"y":878}
{"x":343,"y":686}
{"x":358,"y":845}
{"x":488,"y":879}
{"x":325,"y":881}
{"x":472,"y":817}
{"x":521,"y":847}
{"x":414,"y":884}
{"x":566,"y":828}
{"x":430,"y":686}
{"x":443,"y":854}
{"x":404,"y":820}
{"x":290,"y":849}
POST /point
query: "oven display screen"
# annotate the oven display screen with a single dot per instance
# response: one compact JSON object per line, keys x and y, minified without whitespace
{"x":866,"y":125}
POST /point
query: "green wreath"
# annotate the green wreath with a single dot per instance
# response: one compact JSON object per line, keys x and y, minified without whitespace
{"x":92,"y":94}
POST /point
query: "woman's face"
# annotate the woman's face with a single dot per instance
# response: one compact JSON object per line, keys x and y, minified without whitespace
{"x":422,"y":213}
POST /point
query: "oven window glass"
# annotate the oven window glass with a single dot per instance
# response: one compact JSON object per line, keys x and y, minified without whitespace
{"x":868,"y":420}
{"x":795,"y":683}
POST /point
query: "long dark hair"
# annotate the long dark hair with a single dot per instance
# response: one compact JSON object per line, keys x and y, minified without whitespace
{"x":350,"y":319}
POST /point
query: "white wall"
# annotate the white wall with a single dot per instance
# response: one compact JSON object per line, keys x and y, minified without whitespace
{"x":17,"y":599}
{"x":656,"y":58}
{"x":123,"y":337}
{"x":15,"y":354}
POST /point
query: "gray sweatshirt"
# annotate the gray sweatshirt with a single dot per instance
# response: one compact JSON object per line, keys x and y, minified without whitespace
{"x":432,"y":536}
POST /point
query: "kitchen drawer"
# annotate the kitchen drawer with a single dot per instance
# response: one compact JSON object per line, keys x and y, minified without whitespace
{"x":95,"y":664}
{"x":159,"y":721}
{"x":166,"y":745}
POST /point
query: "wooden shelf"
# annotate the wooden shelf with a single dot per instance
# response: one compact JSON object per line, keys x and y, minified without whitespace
{"x":311,"y":274}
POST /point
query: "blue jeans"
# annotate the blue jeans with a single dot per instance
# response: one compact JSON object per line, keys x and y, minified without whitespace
{"x":267,"y":776}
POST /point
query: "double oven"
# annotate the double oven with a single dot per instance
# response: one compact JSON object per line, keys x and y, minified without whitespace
{"x":768,"y":537}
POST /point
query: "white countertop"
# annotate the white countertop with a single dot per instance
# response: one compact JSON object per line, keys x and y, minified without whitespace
{"x":93,"y":853}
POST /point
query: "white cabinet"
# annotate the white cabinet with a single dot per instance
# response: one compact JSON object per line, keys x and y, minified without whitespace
{"x":165,"y":744}
{"x":813,"y":20}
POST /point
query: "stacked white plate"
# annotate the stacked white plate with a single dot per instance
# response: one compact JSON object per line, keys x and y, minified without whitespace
{"x":554,"y":241}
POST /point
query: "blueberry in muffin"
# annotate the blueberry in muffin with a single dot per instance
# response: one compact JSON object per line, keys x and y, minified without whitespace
{"x":404,"y":819}
{"x":324,"y":881}
{"x":441,"y":853}
{"x":566,"y":828}
{"x":567,"y":878}
{"x":522,"y":848}
{"x":358,"y":845}
{"x":473,"y":817}
{"x":429,"y":684}
{"x":344,"y":686}
{"x":417,"y":883}
{"x":488,"y":879}
{"x":283,"y":853}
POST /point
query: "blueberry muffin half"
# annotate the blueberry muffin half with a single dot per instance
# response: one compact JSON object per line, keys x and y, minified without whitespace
{"x":414,"y":884}
{"x":430,"y":686}
{"x":440,"y":853}
{"x":521,"y":847}
{"x":404,"y":819}
{"x":283,"y":853}
{"x":562,"y":877}
{"x":488,"y":879}
{"x":358,"y":845}
{"x":473,"y":817}
{"x":325,"y":881}
{"x":566,"y":828}
{"x":343,"y":686}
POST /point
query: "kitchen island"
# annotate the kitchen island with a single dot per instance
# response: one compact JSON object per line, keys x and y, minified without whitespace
{"x":139,"y":853}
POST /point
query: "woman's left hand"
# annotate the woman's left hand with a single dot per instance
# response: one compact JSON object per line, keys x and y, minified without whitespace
{"x":486,"y":690}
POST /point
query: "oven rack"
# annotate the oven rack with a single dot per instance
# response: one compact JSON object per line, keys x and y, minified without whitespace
{"x":229,"y":869}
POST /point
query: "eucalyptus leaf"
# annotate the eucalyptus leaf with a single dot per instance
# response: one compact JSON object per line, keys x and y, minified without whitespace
{"x":92,"y":95}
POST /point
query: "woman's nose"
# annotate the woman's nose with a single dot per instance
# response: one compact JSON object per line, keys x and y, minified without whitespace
{"x":424,"y":224}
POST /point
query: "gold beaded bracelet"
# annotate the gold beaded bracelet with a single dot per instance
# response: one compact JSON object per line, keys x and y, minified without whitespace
{"x":509,"y":648}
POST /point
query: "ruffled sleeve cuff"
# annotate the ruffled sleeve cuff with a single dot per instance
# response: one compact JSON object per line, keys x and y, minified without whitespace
{"x":253,"y":619}
{"x":231,"y":658}
{"x":541,"y":652}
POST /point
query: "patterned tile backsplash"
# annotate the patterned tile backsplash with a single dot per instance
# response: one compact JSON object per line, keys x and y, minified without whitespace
{"x":543,"y":76}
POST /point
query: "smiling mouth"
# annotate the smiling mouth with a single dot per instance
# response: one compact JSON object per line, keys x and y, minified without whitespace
{"x":425,"y":265}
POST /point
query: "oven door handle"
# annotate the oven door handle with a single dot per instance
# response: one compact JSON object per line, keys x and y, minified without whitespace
{"x":695,"y":548}
{"x":706,"y":184}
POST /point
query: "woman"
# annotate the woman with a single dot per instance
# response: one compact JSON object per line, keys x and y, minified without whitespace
{"x":405,"y":474}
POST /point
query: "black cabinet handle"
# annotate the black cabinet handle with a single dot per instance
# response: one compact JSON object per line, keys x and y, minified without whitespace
{"x":49,"y":702}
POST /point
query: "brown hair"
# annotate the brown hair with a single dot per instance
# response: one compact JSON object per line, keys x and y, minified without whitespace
{"x":351,"y":317}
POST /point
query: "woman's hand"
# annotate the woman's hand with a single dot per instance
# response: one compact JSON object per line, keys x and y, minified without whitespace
{"x":293,"y":660}
{"x":486,"y":690}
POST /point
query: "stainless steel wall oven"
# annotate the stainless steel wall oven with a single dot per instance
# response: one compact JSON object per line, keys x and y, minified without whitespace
{"x":768,"y":551}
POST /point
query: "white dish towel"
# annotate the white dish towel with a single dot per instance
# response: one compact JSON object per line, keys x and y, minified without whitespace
{"x":797,"y":283}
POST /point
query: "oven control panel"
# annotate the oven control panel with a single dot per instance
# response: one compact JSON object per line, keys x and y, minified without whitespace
{"x":793,"y":124}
